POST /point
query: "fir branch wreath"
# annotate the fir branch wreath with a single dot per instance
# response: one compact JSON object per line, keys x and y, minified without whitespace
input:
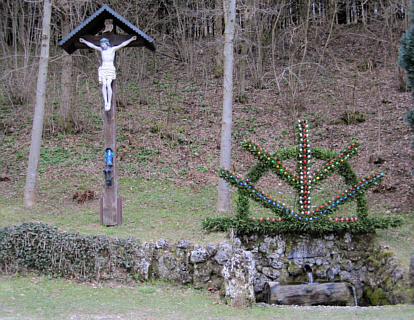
{"x":303,"y":217}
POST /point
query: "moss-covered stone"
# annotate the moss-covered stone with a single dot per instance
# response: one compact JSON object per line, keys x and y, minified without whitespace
{"x":295,"y":270}
{"x":373,"y":263}
{"x":385,"y":254}
{"x":376,"y":296}
{"x":387,"y":284}
{"x":284,"y":276}
{"x":355,"y":255}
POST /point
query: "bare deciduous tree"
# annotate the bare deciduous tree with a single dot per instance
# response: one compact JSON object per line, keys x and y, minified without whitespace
{"x":29,"y":192}
{"x":218,"y":30}
{"x":229,"y":6}
{"x":66,"y":78}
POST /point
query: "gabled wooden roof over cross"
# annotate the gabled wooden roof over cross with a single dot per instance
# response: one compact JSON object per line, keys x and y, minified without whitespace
{"x":96,"y":22}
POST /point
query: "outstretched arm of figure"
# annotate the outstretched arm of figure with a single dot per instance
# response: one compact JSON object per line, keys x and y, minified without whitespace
{"x":125,"y":43}
{"x":90,"y":44}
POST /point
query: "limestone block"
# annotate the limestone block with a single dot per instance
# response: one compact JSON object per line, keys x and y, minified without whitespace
{"x":183,"y":244}
{"x":202,"y":274}
{"x":259,"y":282}
{"x":223,"y":254}
{"x":198,"y":255}
{"x":169,"y":266}
{"x":142,"y":265}
{"x":307,"y":249}
{"x":211,"y":249}
{"x":271,"y":273}
{"x":239,"y":273}
{"x":333,"y":272}
{"x":161,"y":244}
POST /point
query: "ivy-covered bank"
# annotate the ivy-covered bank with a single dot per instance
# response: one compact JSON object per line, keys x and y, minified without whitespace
{"x":238,"y":269}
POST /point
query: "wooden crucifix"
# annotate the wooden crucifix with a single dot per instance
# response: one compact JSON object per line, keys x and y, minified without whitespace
{"x":99,"y":32}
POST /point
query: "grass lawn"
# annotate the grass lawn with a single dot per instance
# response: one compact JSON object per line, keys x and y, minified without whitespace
{"x":45,"y":298}
{"x":152,"y":209}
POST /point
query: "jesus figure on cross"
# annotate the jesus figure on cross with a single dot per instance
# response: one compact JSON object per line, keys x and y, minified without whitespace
{"x":106,"y":71}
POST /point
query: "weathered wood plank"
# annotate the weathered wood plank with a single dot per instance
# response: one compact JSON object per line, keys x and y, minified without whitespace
{"x":330,"y":293}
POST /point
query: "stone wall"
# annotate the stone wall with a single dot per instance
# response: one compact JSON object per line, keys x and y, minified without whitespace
{"x":375,"y":272}
{"x":239,"y":269}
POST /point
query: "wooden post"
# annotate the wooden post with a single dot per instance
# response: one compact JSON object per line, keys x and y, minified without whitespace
{"x":111,"y":216}
{"x":104,"y":22}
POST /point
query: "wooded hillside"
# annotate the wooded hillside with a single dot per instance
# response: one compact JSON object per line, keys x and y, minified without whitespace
{"x":333,"y":62}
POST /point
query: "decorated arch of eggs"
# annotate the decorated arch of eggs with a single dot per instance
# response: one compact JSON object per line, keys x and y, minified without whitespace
{"x":303,"y":179}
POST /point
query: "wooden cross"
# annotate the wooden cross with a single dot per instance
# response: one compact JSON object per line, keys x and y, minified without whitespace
{"x":105,"y":20}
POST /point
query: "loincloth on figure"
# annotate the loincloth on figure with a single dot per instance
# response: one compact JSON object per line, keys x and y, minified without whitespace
{"x":106,"y":73}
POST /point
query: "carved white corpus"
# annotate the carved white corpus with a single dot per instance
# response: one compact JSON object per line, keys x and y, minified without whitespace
{"x":106,"y":71}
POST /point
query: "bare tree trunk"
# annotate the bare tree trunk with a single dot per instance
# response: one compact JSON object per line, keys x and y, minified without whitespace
{"x":305,"y":40}
{"x":364,"y":13}
{"x":244,"y":50}
{"x":354,"y":12}
{"x":66,"y":79}
{"x":229,"y":6}
{"x":218,"y":29}
{"x":29,"y":192}
{"x":258,"y":74}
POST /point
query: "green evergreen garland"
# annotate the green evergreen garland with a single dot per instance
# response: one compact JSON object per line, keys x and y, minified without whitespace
{"x":308,"y":219}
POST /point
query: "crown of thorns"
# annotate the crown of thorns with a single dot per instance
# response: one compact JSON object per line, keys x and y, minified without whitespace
{"x":104,"y":40}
